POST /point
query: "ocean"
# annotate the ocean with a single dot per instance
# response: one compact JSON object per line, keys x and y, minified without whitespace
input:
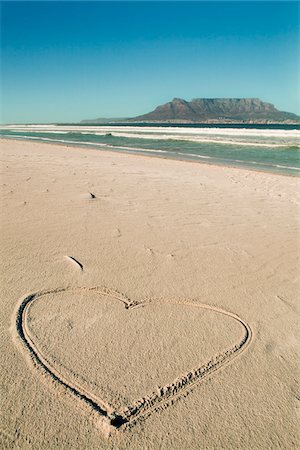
{"x":271,"y":148}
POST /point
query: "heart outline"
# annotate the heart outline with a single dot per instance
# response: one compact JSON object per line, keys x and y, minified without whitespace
{"x":106,"y":418}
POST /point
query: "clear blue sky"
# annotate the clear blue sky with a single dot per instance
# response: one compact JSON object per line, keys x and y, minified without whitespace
{"x":67,"y":61}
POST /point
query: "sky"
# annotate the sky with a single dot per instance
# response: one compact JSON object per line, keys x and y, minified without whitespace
{"x":68,"y":61}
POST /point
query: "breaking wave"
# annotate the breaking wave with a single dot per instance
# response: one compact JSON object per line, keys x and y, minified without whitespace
{"x":275,"y":150}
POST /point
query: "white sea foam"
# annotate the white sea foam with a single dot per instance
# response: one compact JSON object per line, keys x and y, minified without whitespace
{"x":222,"y":136}
{"x":64,"y":141}
{"x":286,"y":167}
{"x":159,"y":151}
{"x":143,"y":150}
{"x":159,"y":130}
{"x":203,"y":139}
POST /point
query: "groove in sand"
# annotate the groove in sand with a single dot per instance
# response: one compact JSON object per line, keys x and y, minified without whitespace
{"x":108,"y":419}
{"x":75,"y":261}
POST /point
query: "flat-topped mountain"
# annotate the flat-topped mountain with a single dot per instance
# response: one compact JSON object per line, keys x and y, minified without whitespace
{"x":211,"y":110}
{"x":217,"y":110}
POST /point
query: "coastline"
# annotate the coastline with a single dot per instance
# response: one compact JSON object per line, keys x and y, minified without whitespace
{"x":165,"y":239}
{"x":170,"y":157}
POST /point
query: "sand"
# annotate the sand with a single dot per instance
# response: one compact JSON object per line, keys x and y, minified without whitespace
{"x":146,"y":303}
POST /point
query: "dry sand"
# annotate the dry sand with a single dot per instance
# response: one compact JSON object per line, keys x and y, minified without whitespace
{"x":160,"y":312}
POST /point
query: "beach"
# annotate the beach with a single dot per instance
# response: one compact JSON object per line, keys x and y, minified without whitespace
{"x":267,"y":148}
{"x":146,"y":303}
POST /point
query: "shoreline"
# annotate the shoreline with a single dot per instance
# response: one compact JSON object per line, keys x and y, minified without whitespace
{"x":90,"y":146}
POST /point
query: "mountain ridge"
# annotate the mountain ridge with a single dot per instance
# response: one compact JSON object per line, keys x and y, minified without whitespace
{"x":212,"y":110}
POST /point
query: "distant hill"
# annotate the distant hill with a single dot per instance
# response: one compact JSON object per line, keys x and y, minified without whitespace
{"x":211,"y":110}
{"x":105,"y":120}
{"x":217,"y":110}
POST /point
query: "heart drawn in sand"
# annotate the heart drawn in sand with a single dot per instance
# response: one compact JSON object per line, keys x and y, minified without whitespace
{"x":121,"y":360}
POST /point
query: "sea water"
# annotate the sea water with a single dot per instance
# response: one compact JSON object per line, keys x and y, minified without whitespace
{"x":272,"y":148}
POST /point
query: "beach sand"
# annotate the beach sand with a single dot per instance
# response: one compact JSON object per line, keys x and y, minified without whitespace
{"x":146,"y":303}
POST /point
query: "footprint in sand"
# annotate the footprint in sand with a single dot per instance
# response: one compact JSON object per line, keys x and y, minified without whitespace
{"x":75,"y":261}
{"x":117,"y":233}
